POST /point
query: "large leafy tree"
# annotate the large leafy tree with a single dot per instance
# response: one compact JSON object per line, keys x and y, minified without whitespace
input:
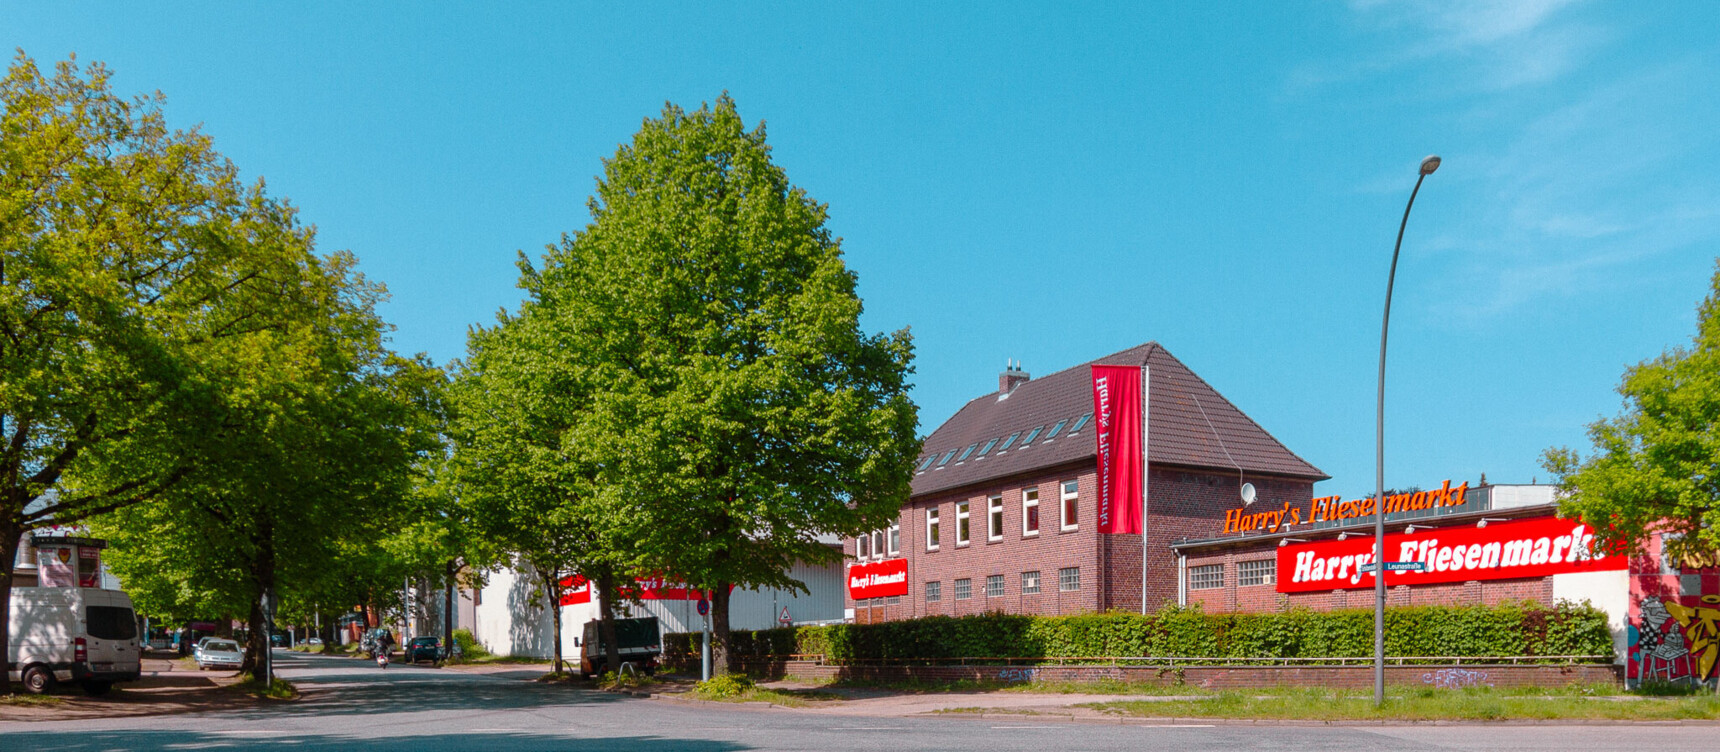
{"x":522,"y":479}
{"x":737,"y":418}
{"x":132,"y":260}
{"x":327,"y":429}
{"x":1656,"y":467}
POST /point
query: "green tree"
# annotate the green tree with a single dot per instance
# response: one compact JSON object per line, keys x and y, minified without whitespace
{"x":325,"y":429}
{"x":131,"y":257}
{"x":1655,"y":467}
{"x":735,"y":417}
{"x":522,"y":479}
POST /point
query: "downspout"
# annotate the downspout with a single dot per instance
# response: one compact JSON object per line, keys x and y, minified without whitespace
{"x":1182,"y":579}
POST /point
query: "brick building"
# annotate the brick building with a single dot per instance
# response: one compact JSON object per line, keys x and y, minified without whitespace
{"x":1001,"y":513}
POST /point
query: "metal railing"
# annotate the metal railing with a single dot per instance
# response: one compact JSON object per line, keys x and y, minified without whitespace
{"x":1185,"y":661}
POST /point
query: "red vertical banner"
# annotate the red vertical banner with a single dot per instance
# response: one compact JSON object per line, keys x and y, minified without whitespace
{"x":1117,"y":428}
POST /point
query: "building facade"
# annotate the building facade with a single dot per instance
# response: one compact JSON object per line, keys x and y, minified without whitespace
{"x":1001,"y":515}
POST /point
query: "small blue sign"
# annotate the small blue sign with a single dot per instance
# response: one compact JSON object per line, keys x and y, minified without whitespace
{"x":1406,"y":566}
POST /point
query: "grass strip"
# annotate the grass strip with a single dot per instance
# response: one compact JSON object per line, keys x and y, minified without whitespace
{"x":1468,"y":704}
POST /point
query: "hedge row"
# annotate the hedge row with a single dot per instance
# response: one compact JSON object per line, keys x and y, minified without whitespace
{"x":1517,"y":629}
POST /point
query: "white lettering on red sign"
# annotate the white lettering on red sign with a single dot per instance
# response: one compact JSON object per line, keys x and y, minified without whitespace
{"x":1528,"y":548}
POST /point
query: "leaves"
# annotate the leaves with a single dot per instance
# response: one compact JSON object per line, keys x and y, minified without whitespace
{"x":1656,"y":467}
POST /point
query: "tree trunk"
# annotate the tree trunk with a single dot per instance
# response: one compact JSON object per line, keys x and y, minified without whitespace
{"x":448,"y":610}
{"x":723,"y":660}
{"x":552,"y":587}
{"x":9,"y":534}
{"x":606,"y":625}
{"x":263,"y":572}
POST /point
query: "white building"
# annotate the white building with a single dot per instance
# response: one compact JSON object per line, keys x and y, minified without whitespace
{"x":510,"y":615}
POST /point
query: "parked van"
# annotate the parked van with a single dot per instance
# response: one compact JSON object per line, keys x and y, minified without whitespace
{"x":640,"y":639}
{"x":72,"y":634}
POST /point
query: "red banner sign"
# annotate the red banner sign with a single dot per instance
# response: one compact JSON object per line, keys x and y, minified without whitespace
{"x":1117,"y":418}
{"x":879,"y":579}
{"x":576,"y":590}
{"x":1502,"y":550}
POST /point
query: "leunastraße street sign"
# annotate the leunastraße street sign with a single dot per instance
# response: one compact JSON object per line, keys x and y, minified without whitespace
{"x":1398,"y":566}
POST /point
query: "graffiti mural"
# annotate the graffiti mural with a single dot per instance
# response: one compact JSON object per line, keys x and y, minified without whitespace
{"x":1674,"y":619}
{"x":1456,"y":678}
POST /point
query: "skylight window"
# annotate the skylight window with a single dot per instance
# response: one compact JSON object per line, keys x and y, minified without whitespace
{"x":928,"y":462}
{"x":967,"y":451}
{"x":1056,"y":429}
{"x":988,"y":446}
{"x":1080,"y":423}
{"x":1007,"y":443}
{"x":946,"y":459}
{"x":1031,"y":434}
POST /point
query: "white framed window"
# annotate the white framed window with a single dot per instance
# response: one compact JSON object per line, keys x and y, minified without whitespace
{"x":1257,"y":572}
{"x":894,"y":536}
{"x":932,"y":529}
{"x":877,"y":544}
{"x":1029,"y":583}
{"x":934,"y":592}
{"x":1068,"y":579}
{"x":1029,"y":512}
{"x":863,"y":547}
{"x":1071,"y":505}
{"x":964,"y":589}
{"x":994,"y":586}
{"x":1208,"y":577}
{"x":994,"y":518}
{"x":961,"y":523}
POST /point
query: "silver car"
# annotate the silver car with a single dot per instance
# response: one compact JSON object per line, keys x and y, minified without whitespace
{"x":219,"y":653}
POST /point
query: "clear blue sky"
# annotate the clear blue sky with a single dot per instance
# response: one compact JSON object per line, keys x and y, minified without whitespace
{"x":1043,"y":183}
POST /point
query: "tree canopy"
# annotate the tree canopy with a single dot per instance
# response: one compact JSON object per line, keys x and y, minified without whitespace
{"x":690,"y":368}
{"x":1656,"y":466}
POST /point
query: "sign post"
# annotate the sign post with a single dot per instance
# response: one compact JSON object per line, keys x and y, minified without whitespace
{"x":705,"y":644}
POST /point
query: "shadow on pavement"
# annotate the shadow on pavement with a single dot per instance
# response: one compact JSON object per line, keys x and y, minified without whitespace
{"x":512,"y":741}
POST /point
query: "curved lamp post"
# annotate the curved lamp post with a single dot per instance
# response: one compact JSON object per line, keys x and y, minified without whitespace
{"x":1428,"y":165}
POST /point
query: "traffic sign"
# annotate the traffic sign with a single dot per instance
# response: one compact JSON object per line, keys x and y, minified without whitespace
{"x":784,"y":617}
{"x":704,"y":607}
{"x":1395,"y":566}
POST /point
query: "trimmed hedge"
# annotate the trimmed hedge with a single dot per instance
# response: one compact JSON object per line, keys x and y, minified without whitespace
{"x":1514,"y":629}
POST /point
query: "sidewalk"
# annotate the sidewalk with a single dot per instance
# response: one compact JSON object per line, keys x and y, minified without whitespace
{"x":162,"y":688}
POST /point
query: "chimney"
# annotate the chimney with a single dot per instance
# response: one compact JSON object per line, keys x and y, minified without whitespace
{"x":1011,"y":378}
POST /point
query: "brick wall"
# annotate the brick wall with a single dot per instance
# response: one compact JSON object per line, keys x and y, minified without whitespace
{"x":1256,"y":598}
{"x":1217,"y":677}
{"x":1181,"y":504}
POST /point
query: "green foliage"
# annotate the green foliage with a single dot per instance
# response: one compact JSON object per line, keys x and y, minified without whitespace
{"x":1465,"y":631}
{"x":724,"y":686}
{"x":1656,"y":467}
{"x":470,"y":648}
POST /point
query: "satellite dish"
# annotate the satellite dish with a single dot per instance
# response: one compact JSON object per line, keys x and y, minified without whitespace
{"x":1248,"y":493}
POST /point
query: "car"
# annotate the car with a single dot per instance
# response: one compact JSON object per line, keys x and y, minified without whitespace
{"x":219,"y":653}
{"x":422,"y":649}
{"x":314,"y":641}
{"x":278,"y":640}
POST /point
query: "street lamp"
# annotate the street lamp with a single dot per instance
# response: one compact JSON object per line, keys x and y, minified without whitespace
{"x":1428,"y":165}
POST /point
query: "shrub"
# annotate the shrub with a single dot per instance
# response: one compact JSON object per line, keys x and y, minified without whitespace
{"x":1512,"y":629}
{"x":470,"y":648}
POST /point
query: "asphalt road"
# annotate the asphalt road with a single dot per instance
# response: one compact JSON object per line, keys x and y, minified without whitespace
{"x":350,"y":704}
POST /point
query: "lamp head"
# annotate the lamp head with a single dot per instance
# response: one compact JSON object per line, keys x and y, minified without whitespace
{"x":1430,"y":164}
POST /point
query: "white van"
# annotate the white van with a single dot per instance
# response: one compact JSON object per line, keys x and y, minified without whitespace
{"x":72,"y":634}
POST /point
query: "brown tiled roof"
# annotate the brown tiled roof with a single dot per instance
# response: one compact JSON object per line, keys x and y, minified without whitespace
{"x":1186,"y":419}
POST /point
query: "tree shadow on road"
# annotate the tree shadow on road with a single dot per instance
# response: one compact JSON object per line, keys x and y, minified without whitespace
{"x":46,"y":741}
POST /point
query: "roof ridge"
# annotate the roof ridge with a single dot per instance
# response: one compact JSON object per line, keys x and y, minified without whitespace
{"x":1239,"y":411}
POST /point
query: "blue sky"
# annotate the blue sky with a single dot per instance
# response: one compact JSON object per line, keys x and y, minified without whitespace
{"x":1043,"y":183}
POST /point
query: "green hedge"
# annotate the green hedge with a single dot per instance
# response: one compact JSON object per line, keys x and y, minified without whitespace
{"x":1516,"y":629}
